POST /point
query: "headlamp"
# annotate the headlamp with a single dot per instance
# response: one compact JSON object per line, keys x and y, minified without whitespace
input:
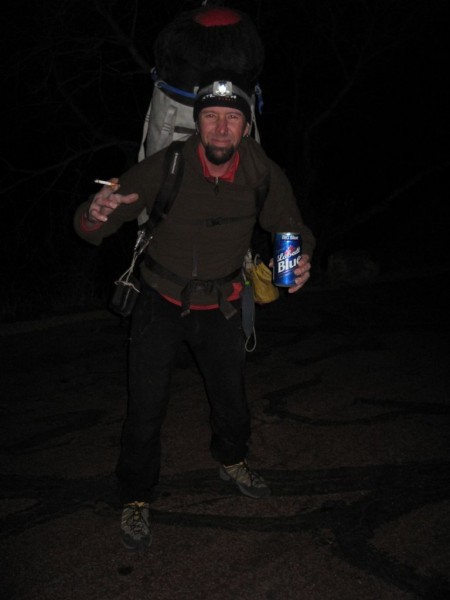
{"x":222,"y":88}
{"x":223,"y":92}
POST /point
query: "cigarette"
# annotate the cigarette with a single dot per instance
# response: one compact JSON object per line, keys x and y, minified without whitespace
{"x":102,"y":182}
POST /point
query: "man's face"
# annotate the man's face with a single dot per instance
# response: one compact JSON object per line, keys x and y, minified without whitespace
{"x":221,"y":130}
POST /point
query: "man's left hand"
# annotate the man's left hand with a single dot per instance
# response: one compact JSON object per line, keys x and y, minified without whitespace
{"x":302,"y":274}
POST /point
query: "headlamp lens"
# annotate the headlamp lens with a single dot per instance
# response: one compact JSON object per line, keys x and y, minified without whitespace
{"x":222,"y":88}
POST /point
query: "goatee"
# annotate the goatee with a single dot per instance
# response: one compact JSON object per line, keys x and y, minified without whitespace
{"x":219,"y":156}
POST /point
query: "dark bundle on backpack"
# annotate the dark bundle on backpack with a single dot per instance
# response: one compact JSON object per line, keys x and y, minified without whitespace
{"x":206,"y":39}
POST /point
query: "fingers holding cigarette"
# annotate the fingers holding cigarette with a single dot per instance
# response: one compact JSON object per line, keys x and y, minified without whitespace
{"x":107,"y":200}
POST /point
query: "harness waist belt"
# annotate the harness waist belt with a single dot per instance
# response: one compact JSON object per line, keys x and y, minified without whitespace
{"x":189,"y":286}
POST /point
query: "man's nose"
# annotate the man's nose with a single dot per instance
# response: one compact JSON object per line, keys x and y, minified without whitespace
{"x":222,"y":125}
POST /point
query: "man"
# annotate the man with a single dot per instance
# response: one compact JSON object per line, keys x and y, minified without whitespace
{"x":191,"y":286}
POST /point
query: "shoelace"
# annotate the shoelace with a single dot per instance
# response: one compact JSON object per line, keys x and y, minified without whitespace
{"x":243,"y":466}
{"x":136,"y":521}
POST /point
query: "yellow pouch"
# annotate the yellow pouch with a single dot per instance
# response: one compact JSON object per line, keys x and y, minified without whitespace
{"x":260,"y":277}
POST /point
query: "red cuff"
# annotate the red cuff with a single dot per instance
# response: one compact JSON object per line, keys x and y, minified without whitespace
{"x":85,"y":228}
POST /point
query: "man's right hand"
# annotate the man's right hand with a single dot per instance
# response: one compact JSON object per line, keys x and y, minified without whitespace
{"x":106,"y":201}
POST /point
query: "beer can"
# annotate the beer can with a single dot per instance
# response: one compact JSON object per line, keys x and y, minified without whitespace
{"x":287,"y":254}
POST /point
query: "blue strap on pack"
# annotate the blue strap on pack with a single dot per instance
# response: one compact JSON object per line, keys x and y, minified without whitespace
{"x":163,"y":85}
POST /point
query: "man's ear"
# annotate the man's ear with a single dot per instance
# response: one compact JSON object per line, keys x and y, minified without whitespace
{"x":247,"y":130}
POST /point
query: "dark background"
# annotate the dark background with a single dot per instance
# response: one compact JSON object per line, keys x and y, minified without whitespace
{"x":356,"y":108}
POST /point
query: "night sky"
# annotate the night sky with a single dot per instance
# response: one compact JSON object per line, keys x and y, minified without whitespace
{"x":355,"y":110}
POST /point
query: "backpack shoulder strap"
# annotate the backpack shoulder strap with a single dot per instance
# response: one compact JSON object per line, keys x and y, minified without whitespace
{"x":173,"y":173}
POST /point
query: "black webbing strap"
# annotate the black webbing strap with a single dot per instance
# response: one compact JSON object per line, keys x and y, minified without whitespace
{"x":173,"y":169}
{"x":189,"y":286}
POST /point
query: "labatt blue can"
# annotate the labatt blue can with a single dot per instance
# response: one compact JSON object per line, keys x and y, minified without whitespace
{"x":287,"y":254}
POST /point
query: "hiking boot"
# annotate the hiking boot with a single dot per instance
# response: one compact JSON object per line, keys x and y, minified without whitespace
{"x":248,"y":482}
{"x":135,"y":526}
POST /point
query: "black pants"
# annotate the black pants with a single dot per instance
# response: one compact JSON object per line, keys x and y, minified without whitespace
{"x":157,"y":331}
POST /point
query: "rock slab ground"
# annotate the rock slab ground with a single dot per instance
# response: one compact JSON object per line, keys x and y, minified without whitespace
{"x":349,"y":390}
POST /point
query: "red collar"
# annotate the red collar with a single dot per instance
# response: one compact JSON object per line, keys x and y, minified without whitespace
{"x":229,"y":175}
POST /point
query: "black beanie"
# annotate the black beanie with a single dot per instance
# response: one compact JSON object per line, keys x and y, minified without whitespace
{"x":223,"y":92}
